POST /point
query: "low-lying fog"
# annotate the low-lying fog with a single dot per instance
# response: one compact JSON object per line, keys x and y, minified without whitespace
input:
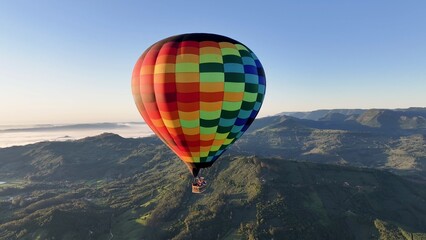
{"x":26,"y":134}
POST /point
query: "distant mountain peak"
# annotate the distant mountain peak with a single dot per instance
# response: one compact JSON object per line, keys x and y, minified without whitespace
{"x":104,"y":136}
{"x":333,"y":116}
{"x":287,"y":122}
{"x":318,"y":114}
{"x":392,"y":119}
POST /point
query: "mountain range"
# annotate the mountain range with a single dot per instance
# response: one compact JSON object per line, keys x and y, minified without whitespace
{"x":354,"y":174}
{"x":383,"y":139}
{"x":351,"y":113}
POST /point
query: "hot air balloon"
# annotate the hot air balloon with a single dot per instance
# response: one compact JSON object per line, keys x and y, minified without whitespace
{"x":199,"y":93}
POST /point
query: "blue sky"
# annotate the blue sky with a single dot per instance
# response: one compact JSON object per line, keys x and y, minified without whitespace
{"x":71,"y":61}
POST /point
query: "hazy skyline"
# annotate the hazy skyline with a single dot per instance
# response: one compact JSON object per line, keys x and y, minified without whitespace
{"x":65,"y":62}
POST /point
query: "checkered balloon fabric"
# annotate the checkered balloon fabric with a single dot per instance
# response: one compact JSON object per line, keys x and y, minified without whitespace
{"x":199,"y":93}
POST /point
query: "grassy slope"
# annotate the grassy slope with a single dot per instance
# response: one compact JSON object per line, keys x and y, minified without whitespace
{"x":290,"y":138}
{"x":107,"y":186}
{"x":247,"y":198}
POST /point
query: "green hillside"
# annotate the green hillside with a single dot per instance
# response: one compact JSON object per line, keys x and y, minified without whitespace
{"x":107,"y":187}
{"x":346,"y":143}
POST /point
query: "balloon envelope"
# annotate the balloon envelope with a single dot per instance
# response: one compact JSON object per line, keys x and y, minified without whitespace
{"x":199,"y":93}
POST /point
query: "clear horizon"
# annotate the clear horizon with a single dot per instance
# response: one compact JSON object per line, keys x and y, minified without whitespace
{"x":9,"y":125}
{"x":23,"y":134}
{"x":71,"y":62}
